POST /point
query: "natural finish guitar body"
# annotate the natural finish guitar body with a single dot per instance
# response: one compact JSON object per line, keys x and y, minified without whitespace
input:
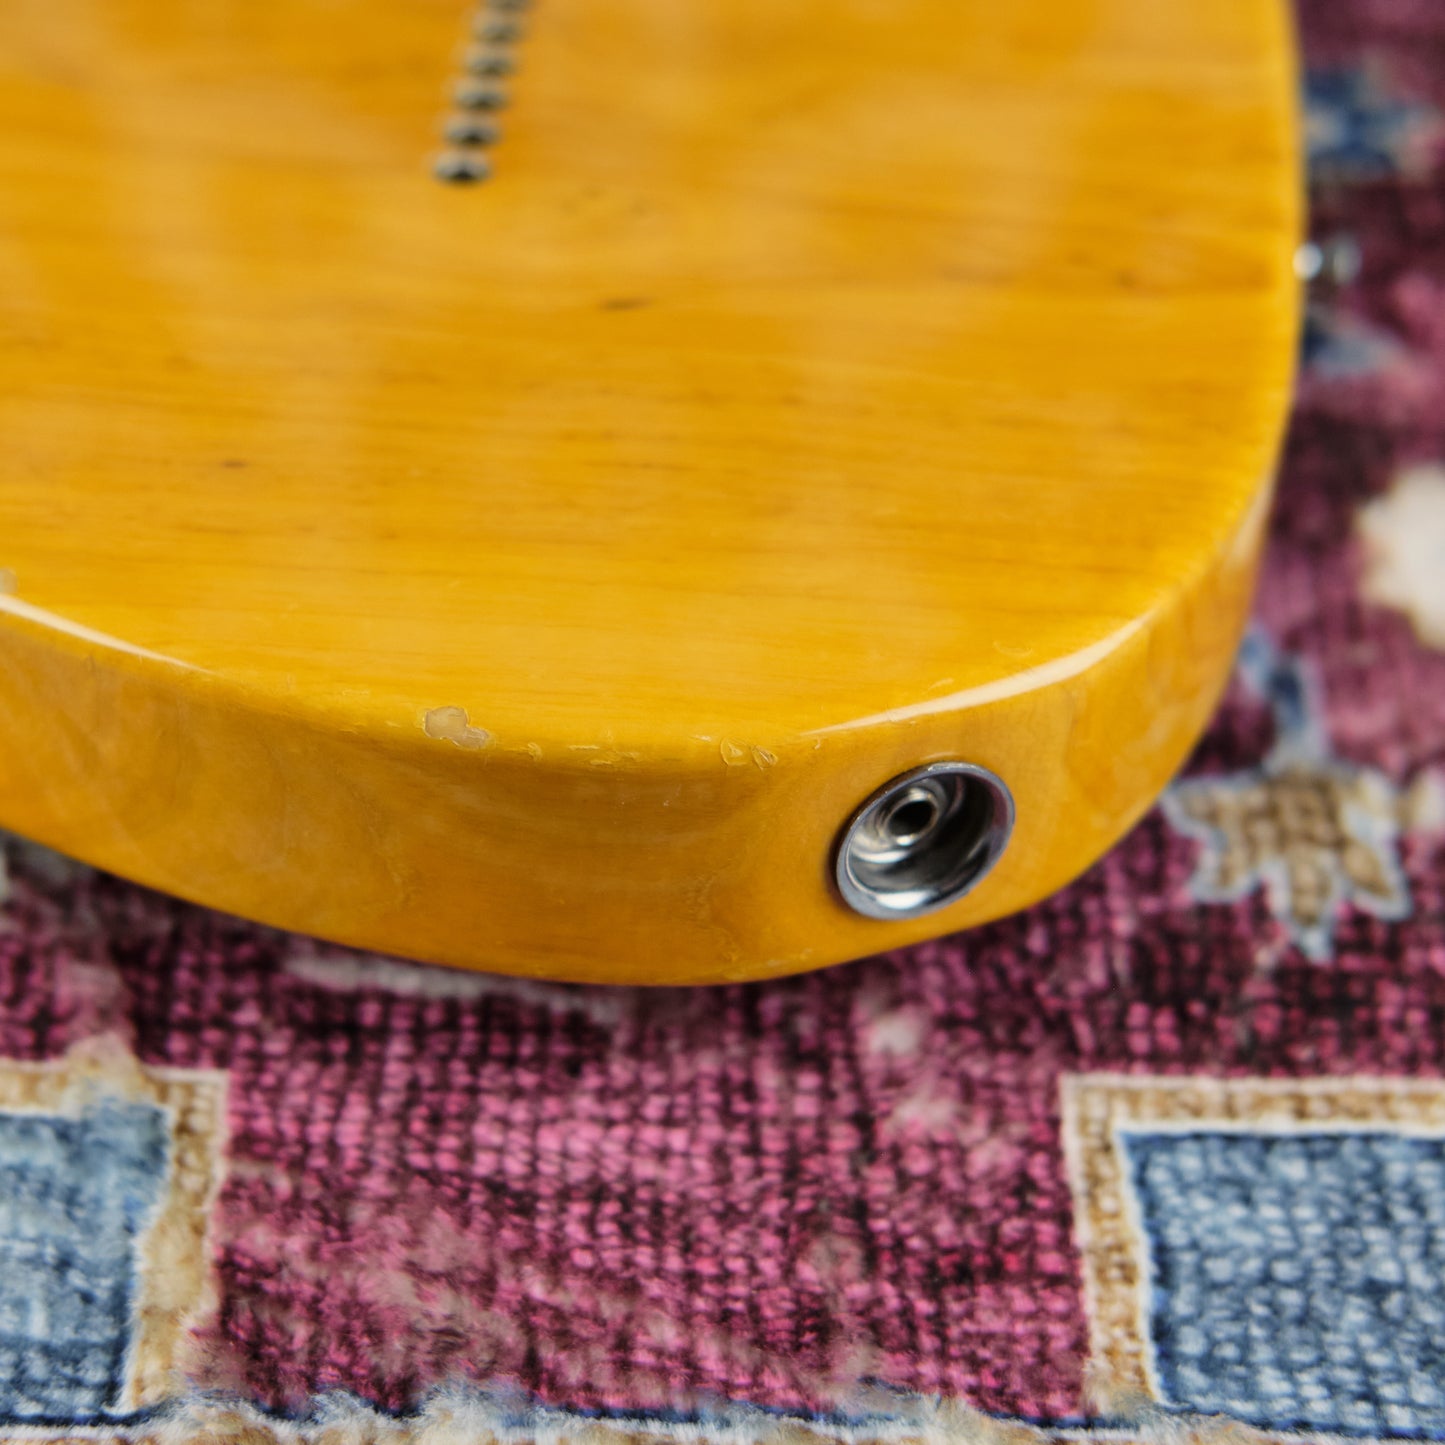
{"x":539,"y":574}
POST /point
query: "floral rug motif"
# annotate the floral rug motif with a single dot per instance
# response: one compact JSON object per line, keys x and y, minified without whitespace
{"x":1162,"y":1157}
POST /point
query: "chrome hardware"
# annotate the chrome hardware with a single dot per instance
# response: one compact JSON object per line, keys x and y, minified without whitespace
{"x":923,"y":841}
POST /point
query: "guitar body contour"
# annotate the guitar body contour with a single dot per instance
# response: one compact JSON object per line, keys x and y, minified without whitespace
{"x":553,"y":571}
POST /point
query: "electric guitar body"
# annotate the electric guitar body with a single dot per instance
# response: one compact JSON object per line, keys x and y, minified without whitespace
{"x":640,"y":490}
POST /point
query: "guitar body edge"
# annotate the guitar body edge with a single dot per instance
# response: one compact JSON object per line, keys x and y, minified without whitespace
{"x":708,"y":867}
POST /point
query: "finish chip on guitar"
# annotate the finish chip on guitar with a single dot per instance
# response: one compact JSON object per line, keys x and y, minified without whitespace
{"x":804,"y":499}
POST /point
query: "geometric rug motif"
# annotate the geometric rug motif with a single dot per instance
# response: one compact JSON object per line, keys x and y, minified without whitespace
{"x":107,"y":1176}
{"x":1269,"y":1249}
{"x":1315,"y":832}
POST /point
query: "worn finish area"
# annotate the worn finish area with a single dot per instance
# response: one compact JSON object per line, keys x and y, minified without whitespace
{"x":535,"y":575}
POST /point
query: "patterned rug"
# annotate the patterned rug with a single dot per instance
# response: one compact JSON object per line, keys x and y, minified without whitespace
{"x":1164,"y":1157}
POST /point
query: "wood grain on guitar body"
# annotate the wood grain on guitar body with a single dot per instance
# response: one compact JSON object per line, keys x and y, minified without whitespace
{"x":803,"y":499}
